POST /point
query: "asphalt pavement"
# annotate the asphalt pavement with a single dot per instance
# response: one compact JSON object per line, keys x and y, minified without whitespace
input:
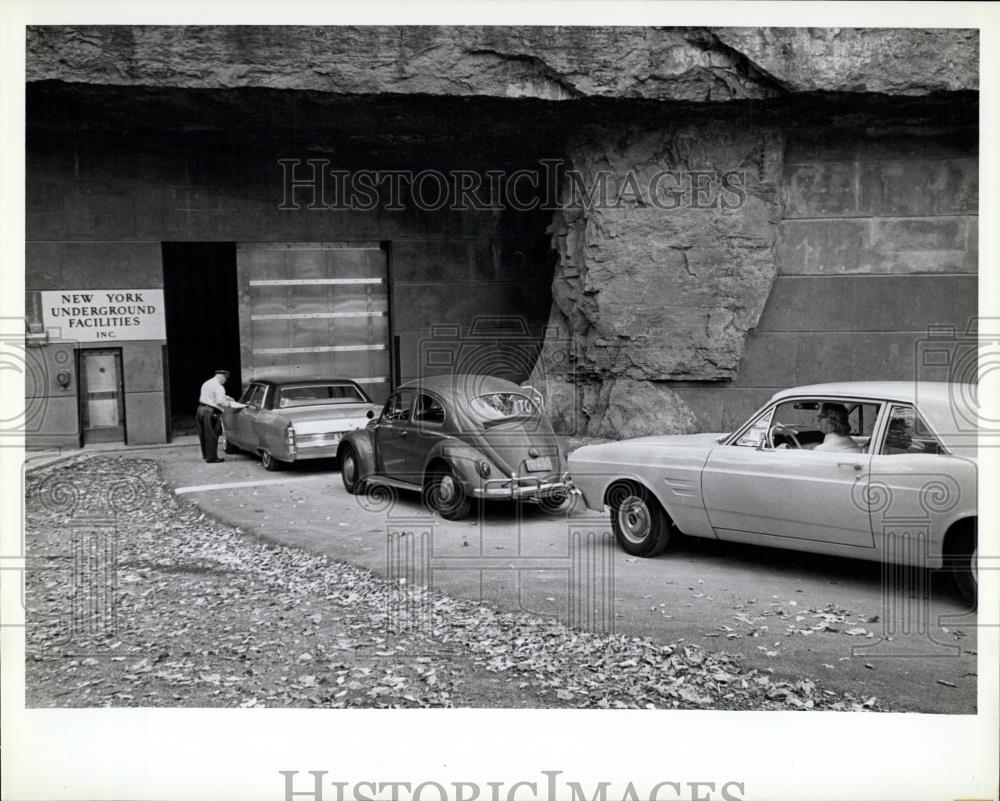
{"x":800,"y":616}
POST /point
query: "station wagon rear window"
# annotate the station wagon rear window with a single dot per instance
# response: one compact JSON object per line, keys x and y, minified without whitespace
{"x":319,"y":395}
{"x":497,"y":407}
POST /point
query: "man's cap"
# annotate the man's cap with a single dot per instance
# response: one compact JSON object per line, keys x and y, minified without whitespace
{"x":222,"y":372}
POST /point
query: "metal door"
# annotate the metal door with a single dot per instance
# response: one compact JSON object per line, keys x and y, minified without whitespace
{"x":315,"y":309}
{"x":102,"y":395}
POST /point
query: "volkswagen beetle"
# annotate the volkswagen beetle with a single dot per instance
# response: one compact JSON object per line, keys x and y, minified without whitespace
{"x":457,"y":438}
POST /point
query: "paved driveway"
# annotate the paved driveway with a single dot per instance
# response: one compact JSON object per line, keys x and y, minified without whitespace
{"x":801,"y":616}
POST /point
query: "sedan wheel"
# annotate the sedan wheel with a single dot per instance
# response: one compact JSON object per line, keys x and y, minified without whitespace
{"x":270,"y":463}
{"x":640,"y":525}
{"x":444,"y":494}
{"x":349,"y":471}
{"x":230,"y":448}
{"x":967,"y":573}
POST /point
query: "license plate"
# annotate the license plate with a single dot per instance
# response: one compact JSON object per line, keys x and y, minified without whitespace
{"x":538,"y":465}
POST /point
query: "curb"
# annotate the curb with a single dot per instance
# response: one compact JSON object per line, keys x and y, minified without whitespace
{"x":88,"y":454}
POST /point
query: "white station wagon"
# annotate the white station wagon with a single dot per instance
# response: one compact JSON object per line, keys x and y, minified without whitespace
{"x":883,"y":471}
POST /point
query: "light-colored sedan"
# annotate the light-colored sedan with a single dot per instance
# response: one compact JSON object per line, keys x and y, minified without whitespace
{"x":881,"y":471}
{"x":289,"y":420}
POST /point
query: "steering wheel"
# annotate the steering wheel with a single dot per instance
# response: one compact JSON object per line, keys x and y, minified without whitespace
{"x":785,"y":432}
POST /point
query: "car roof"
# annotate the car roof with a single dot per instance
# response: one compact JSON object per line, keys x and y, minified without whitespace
{"x":280,"y":380}
{"x":903,"y":391}
{"x":462,"y":384}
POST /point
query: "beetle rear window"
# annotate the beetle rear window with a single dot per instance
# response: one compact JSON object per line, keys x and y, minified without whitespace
{"x":319,"y":395}
{"x":496,"y":407}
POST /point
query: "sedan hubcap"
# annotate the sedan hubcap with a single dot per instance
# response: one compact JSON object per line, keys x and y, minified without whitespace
{"x":634,"y":520}
{"x":348,"y":468}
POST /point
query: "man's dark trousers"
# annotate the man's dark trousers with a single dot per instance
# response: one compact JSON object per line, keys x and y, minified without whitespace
{"x":209,"y":422}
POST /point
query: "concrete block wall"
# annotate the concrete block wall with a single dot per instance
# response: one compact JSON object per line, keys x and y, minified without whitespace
{"x":465,"y":286}
{"x":878,"y":242}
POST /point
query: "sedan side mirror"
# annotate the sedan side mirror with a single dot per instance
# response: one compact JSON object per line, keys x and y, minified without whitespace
{"x":370,"y":414}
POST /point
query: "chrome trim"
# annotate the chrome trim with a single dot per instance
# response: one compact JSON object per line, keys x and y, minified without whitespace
{"x":515,"y":492}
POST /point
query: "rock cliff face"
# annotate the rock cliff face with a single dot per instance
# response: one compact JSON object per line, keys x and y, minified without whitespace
{"x":890,"y":61}
{"x":550,"y":63}
{"x":662,"y":275}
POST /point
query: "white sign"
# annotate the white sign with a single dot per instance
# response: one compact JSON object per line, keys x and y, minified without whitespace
{"x":105,"y":315}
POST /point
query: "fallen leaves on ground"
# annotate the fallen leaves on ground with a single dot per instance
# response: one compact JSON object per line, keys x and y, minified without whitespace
{"x":136,"y":598}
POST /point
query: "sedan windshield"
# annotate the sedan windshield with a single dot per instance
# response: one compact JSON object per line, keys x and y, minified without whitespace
{"x":319,"y":395}
{"x":496,"y":407}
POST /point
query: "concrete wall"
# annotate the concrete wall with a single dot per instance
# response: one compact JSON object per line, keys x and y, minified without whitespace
{"x":61,"y":264}
{"x":97,"y":213}
{"x":877,"y":242}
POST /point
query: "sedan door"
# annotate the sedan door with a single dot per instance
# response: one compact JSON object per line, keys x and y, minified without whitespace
{"x":788,"y":493}
{"x":239,"y":423}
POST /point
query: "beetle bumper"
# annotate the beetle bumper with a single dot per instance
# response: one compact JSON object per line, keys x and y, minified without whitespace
{"x":523,"y":488}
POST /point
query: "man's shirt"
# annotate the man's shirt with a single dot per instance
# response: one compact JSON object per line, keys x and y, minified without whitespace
{"x":212,"y":394}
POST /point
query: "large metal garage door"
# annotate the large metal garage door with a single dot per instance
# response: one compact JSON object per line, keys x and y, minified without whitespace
{"x":315,"y":309}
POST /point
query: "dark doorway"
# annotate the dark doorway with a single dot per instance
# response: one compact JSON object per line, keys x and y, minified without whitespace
{"x":203,"y":331}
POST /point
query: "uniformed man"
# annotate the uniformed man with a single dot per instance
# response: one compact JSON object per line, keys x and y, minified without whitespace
{"x":212,"y":400}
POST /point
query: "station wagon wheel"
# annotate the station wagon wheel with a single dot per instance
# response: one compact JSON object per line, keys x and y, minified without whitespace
{"x":444,"y":494}
{"x":267,"y":459}
{"x":640,"y":525}
{"x":350,"y":471}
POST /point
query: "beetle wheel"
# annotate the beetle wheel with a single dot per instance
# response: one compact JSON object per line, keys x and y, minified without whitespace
{"x":558,"y":502}
{"x":639,"y":523}
{"x":443,"y":494}
{"x":350,"y":471}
